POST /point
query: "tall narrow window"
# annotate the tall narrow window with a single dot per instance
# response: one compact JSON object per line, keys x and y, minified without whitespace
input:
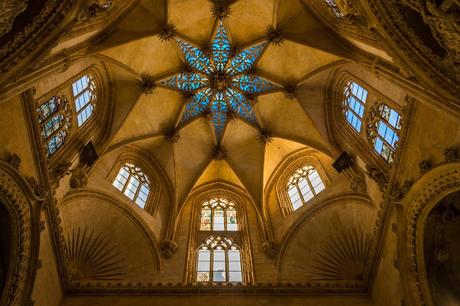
{"x":133,"y":183}
{"x":383,"y":128}
{"x":218,"y":214}
{"x":354,"y":104}
{"x":54,"y":118}
{"x":219,"y":260}
{"x":303,"y":185}
{"x":84,"y":93}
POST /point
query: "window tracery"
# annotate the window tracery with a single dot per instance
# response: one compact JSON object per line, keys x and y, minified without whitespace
{"x":219,"y":260}
{"x":382,"y":123}
{"x":218,"y":214}
{"x":133,"y":183}
{"x":303,"y":185}
{"x":64,"y":113}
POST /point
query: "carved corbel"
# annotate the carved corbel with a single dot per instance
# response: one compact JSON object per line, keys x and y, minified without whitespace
{"x":79,"y":178}
{"x":378,"y":176}
{"x":358,"y":184}
{"x":168,"y":247}
{"x":270,"y":249}
{"x":59,"y":172}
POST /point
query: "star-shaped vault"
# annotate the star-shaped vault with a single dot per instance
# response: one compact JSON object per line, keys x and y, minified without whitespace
{"x":219,"y":83}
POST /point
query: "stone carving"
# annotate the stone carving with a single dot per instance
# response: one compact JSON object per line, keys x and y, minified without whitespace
{"x":379,"y":177}
{"x":172,"y":135}
{"x":450,"y":155}
{"x":270,"y":248}
{"x":14,"y":161}
{"x":358,"y":184}
{"x":9,"y":10}
{"x":37,"y":188}
{"x":168,"y":32}
{"x":221,"y":8}
{"x":274,"y":36}
{"x":344,"y":257}
{"x":290,"y":91}
{"x":168,"y":247}
{"x":220,"y":153}
{"x":94,"y":8}
{"x":79,"y":178}
{"x":93,"y":257}
{"x":442,"y":17}
{"x":147,"y":83}
{"x":424,"y":166}
{"x":265,"y":136}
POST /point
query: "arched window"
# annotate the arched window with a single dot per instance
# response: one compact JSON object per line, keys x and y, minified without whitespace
{"x":354,"y":104}
{"x":61,"y":115}
{"x":219,"y":260}
{"x":334,"y":8}
{"x":84,"y":94}
{"x":382,"y":130}
{"x":382,"y":122}
{"x":218,"y":214}
{"x":133,"y":183}
{"x":303,"y":185}
{"x":54,"y":118}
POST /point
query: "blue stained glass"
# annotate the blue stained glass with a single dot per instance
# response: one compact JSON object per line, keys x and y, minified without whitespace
{"x":219,"y":83}
{"x":245,"y":59}
{"x":186,"y":81}
{"x":195,"y":57}
{"x":252,"y":84}
{"x":198,"y":104}
{"x":221,"y":49}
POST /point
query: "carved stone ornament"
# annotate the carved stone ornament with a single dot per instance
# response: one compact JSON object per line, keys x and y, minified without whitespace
{"x":358,"y":184}
{"x":290,"y":91}
{"x":424,"y":166}
{"x":274,"y":36}
{"x":94,"y":8}
{"x":79,"y":178}
{"x":221,"y":8}
{"x":270,"y":249}
{"x":375,"y":174}
{"x":168,"y":32}
{"x":265,"y":136}
{"x":147,"y":83}
{"x":450,"y":155}
{"x":9,"y":10}
{"x":220,"y":153}
{"x":14,"y":161}
{"x":168,"y":247}
{"x":60,"y":170}
{"x":37,"y":188}
{"x":172,"y":135}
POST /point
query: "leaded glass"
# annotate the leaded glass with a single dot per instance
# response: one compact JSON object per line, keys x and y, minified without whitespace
{"x":354,"y":104}
{"x":219,"y":82}
{"x":84,"y":93}
{"x":303,"y":185}
{"x":218,"y":214}
{"x":219,"y":260}
{"x":133,"y":183}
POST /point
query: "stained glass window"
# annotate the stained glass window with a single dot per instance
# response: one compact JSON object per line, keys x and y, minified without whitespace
{"x":54,"y":118}
{"x":354,"y":104}
{"x":303,"y":185}
{"x":84,"y":93}
{"x":218,"y":214}
{"x":219,"y":260}
{"x":219,"y":81}
{"x":383,"y":129}
{"x":133,"y":183}
{"x":334,"y":8}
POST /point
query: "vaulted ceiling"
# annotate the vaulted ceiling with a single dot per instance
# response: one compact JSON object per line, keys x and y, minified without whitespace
{"x":307,"y":49}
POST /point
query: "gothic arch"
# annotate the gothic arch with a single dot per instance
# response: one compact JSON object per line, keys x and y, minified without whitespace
{"x":319,"y":208}
{"x":423,"y":196}
{"x":76,"y":196}
{"x":23,"y":207}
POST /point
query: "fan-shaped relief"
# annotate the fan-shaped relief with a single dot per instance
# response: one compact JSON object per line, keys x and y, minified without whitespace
{"x":345,"y":256}
{"x":93,"y":256}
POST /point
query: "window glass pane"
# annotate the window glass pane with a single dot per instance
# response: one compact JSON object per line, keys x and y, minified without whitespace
{"x":141,"y":202}
{"x":219,"y":266}
{"x":205,"y":219}
{"x":204,"y":260}
{"x":218,"y":220}
{"x":129,"y":182}
{"x":231,"y":220}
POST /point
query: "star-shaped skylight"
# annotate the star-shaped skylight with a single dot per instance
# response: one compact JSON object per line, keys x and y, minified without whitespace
{"x":220,"y":84}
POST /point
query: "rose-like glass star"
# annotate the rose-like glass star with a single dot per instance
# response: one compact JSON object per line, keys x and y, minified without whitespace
{"x":219,"y":84}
